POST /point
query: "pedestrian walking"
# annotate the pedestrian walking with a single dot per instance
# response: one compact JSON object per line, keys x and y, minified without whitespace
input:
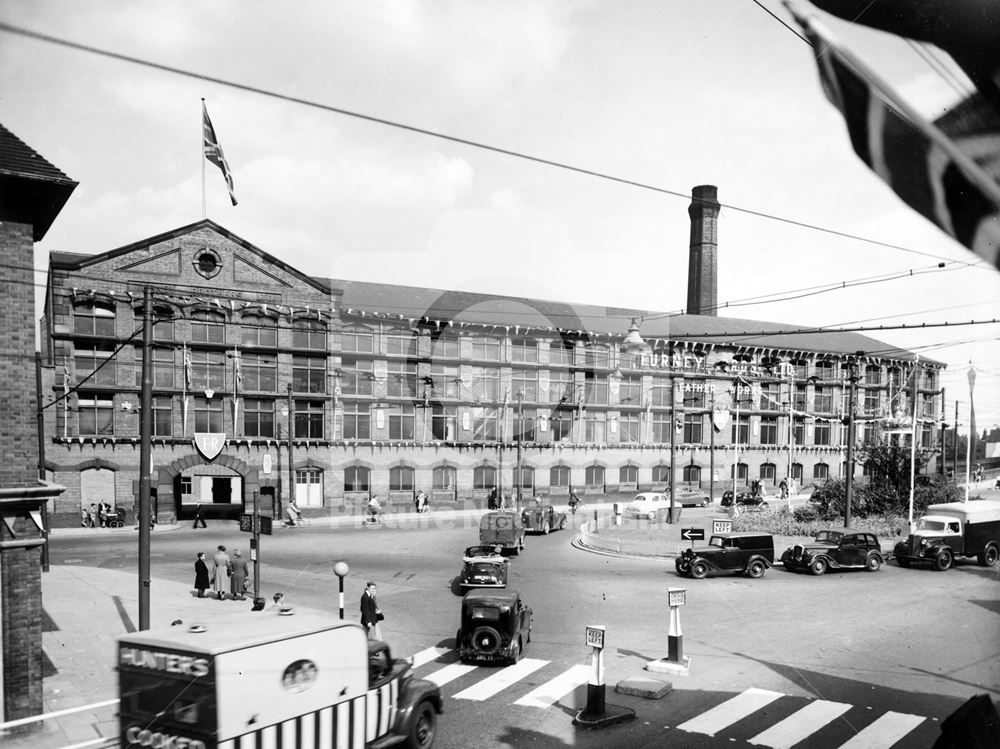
{"x":371,"y":614}
{"x":238,"y":576}
{"x":84,"y":517}
{"x":491,"y":499}
{"x":423,"y":502}
{"x":93,"y":515}
{"x":201,"y":581}
{"x":199,"y":519}
{"x":783,"y":486}
{"x":220,"y":572}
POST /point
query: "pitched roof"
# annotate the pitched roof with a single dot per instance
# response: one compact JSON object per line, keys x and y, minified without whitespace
{"x":34,"y":190}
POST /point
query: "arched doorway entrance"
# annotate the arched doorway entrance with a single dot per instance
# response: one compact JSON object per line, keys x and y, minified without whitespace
{"x":224,"y":487}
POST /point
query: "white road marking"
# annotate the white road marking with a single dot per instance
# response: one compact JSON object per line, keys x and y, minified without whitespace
{"x":885,"y":731}
{"x":428,"y":655}
{"x":553,"y":689}
{"x":449,"y":673}
{"x":800,"y":725}
{"x":500,"y":680}
{"x":732,"y":710}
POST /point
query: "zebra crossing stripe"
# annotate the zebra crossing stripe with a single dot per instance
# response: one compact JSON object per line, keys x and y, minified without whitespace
{"x":500,"y":680}
{"x":800,"y":725}
{"x":428,"y":655}
{"x":732,"y":710}
{"x":555,"y":688}
{"x":449,"y":673}
{"x":885,"y":731}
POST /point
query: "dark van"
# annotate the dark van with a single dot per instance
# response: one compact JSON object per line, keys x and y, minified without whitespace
{"x":504,"y":529}
{"x":745,"y":553}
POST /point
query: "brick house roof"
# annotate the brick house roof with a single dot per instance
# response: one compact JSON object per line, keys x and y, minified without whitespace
{"x":34,"y":190}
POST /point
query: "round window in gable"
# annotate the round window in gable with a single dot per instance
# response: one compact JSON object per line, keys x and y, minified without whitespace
{"x":207,"y":263}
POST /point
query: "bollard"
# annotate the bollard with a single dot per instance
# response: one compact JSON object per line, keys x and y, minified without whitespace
{"x":676,"y":662}
{"x":617,"y":514}
{"x":597,"y":713}
{"x":340,"y":569}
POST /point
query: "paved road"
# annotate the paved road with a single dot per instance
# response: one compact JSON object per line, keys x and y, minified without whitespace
{"x":896,"y":651}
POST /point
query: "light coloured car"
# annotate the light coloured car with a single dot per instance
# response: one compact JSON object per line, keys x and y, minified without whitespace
{"x":649,"y":504}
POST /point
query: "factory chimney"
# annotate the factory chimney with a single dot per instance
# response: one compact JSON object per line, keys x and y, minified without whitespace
{"x":703,"y":255}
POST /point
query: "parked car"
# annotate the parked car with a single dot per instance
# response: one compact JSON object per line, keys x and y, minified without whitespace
{"x":743,"y":499}
{"x":648,"y":505}
{"x":504,"y":529}
{"x":483,"y":567}
{"x":835,"y":549}
{"x":543,"y":518}
{"x":953,"y":529}
{"x":749,"y":553}
{"x":688,"y":496}
{"x":495,"y":627}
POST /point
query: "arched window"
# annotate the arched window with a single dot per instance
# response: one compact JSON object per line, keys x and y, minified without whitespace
{"x":357,"y":479}
{"x":692,"y":475}
{"x":401,"y":479}
{"x":767,"y":472}
{"x":309,"y":333}
{"x":594,"y":476}
{"x":484,"y":477}
{"x":208,"y":326}
{"x":821,"y":471}
{"x":797,"y":472}
{"x":93,"y":319}
{"x":357,"y":339}
{"x":559,"y":476}
{"x":259,"y":330}
{"x":661,"y":474}
{"x":526,"y":480}
{"x":742,"y":471}
{"x":444,"y":479}
{"x":628,"y":475}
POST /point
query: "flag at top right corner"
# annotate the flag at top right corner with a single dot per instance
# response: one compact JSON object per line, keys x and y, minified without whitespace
{"x":948,"y":170}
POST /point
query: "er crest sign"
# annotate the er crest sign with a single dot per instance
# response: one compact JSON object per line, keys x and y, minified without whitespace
{"x":210,"y":444}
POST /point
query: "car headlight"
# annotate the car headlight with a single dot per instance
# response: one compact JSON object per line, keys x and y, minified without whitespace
{"x":923,"y":542}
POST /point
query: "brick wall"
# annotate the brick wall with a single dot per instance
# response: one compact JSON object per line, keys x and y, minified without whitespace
{"x":20,"y":583}
{"x":18,"y":430}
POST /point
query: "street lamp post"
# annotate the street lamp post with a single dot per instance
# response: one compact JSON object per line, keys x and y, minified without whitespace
{"x":340,"y":569}
{"x":673,"y":440}
{"x":291,"y":432}
{"x":518,"y":502}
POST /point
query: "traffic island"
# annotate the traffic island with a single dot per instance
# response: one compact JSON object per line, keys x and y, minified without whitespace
{"x":644,"y":686}
{"x":597,"y":713}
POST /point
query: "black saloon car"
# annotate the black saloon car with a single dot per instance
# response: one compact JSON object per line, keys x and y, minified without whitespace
{"x":749,"y":553}
{"x":835,"y":549}
{"x":543,"y":518}
{"x":496,"y":625}
{"x":743,"y":499}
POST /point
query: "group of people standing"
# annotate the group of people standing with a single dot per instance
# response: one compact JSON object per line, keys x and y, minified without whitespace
{"x":495,"y":500}
{"x":98,"y":516}
{"x":229,"y":575}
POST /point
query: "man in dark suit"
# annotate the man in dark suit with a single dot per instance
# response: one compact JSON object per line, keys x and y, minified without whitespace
{"x":370,"y":613}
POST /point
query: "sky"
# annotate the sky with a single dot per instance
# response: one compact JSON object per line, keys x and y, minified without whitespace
{"x":661,"y":96}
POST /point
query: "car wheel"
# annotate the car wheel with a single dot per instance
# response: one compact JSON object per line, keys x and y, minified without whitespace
{"x":818,"y":567}
{"x":763,"y":505}
{"x":943,"y":560}
{"x":423,"y":727}
{"x":990,"y":556}
{"x":873,"y":563}
{"x":704,"y":503}
{"x":486,"y":640}
{"x":515,"y":652}
{"x":699,"y":570}
{"x":756,"y":568}
{"x":562,"y":524}
{"x":650,"y":516}
{"x":545,"y":527}
{"x":902,"y":562}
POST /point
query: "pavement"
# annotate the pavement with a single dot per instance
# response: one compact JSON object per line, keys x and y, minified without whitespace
{"x":87,"y":608}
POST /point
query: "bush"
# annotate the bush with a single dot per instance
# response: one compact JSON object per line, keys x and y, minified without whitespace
{"x":807,"y":513}
{"x":784,"y":523}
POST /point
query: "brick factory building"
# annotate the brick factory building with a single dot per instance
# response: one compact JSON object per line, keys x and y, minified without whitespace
{"x":365,"y":388}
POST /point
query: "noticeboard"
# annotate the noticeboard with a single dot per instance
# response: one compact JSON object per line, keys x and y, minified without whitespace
{"x":246,"y":522}
{"x":676,"y":597}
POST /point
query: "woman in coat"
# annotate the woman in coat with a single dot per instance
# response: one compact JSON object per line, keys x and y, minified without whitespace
{"x":237,"y":580}
{"x":220,"y":572}
{"x":201,"y":574}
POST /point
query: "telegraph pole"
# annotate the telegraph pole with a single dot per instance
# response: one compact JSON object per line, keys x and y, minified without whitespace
{"x":520,"y":425}
{"x":673,"y":442}
{"x":145,"y":448}
{"x":291,"y":433}
{"x":849,"y":484}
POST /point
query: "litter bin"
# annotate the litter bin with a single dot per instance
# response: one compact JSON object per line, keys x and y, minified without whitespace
{"x":674,"y":514}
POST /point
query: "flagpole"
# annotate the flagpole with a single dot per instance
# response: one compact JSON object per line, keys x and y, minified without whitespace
{"x":201,"y":154}
{"x":913,"y":437}
{"x":968,"y":442}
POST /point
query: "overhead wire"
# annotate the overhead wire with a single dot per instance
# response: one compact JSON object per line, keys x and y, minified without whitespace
{"x":20,"y":31}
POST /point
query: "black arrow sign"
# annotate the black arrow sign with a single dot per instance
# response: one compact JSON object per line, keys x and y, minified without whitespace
{"x":693,"y":534}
